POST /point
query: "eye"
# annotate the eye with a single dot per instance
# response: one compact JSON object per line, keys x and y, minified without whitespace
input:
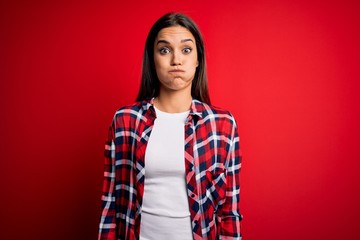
{"x":164,"y":50}
{"x":187,"y":50}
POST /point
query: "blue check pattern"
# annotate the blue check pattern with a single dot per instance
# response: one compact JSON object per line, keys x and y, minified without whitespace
{"x":212,"y":162}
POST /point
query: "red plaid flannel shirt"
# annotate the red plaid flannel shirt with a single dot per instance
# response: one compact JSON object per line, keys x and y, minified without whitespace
{"x":212,"y":162}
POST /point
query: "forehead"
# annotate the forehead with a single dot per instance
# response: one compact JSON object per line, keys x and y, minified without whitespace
{"x":175,"y":33}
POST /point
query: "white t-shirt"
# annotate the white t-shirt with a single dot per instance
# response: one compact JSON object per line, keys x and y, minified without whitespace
{"x":165,"y":210}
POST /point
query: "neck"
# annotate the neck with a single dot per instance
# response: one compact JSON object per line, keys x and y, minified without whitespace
{"x":173,"y":102}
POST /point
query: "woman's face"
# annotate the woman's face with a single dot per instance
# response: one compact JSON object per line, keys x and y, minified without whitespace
{"x":175,"y":58}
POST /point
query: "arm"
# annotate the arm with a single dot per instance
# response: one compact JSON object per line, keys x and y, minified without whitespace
{"x":231,"y":217}
{"x":107,"y":227}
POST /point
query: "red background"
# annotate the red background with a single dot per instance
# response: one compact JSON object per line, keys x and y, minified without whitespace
{"x":287,"y":70}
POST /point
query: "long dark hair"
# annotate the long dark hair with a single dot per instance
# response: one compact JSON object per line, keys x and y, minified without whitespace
{"x":150,"y":84}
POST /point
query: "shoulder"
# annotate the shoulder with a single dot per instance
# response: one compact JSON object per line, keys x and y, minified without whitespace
{"x":134,"y":110}
{"x":136,"y":106}
{"x":214,"y":113}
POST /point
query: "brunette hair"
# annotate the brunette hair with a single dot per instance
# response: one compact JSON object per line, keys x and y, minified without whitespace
{"x":150,"y":84}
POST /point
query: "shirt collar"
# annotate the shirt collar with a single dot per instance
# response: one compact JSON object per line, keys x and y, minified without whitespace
{"x":197,"y":108}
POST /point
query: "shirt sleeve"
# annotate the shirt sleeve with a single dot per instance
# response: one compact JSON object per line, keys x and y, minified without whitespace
{"x":231,"y":216}
{"x":107,"y":226}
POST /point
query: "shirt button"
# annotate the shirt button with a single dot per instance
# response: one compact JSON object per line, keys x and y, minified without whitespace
{"x":192,"y":195}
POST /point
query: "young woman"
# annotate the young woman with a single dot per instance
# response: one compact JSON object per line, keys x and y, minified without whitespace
{"x":172,"y":161}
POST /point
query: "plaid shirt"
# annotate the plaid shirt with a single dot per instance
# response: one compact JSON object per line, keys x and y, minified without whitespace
{"x":212,"y":165}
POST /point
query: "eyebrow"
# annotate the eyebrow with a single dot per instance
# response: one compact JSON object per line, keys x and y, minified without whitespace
{"x":166,"y":42}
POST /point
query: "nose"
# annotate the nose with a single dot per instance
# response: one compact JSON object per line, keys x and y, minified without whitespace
{"x":176,"y":58}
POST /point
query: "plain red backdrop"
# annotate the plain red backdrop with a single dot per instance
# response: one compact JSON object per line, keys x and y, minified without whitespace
{"x":287,"y":70}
